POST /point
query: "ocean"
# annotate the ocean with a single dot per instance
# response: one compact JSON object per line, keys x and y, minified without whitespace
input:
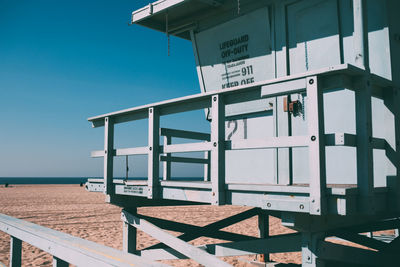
{"x":68,"y":180}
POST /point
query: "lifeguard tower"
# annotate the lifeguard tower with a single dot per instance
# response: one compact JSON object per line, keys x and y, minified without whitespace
{"x":303,"y":103}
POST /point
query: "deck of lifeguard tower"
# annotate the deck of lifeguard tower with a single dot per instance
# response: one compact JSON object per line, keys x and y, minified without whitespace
{"x":302,"y":99}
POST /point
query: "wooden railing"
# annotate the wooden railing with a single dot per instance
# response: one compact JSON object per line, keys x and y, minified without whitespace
{"x":66,"y":249}
{"x":313,"y":84}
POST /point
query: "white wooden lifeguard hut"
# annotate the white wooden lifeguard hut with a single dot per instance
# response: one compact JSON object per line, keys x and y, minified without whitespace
{"x":304,"y":106}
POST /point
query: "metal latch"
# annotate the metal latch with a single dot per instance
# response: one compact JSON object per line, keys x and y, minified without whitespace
{"x":294,"y":107}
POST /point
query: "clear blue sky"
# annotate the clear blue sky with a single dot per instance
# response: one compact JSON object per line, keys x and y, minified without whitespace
{"x":64,"y":61}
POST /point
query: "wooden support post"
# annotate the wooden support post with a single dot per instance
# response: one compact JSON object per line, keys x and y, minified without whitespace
{"x":218,"y":150}
{"x":153,"y":154}
{"x":263,"y":228}
{"x":167,"y":163}
{"x":15,"y":252}
{"x":365,"y":167}
{"x":108,"y":155}
{"x":309,"y":247}
{"x":59,"y":262}
{"x":316,"y":130}
{"x":129,"y":235}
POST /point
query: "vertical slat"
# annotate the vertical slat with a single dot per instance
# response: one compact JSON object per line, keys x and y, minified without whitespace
{"x":153,"y":156}
{"x":316,"y":131}
{"x":167,"y":163}
{"x":129,"y":235}
{"x":263,"y":228}
{"x":207,"y":155}
{"x":218,"y":150}
{"x":59,"y":262}
{"x":359,"y":34}
{"x":365,"y":178}
{"x":108,"y":155}
{"x":15,"y":252}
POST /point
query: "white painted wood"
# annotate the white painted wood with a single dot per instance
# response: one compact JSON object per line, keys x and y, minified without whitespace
{"x":167,"y":159}
{"x":272,"y":142}
{"x":316,"y":130}
{"x":189,"y":147}
{"x":153,"y":154}
{"x":108,"y":155}
{"x":365,"y":177}
{"x":283,"y":88}
{"x":131,"y":151}
{"x":179,"y":245}
{"x":74,"y":250}
{"x":218,"y":150}
{"x":359,"y":34}
{"x":59,"y":262}
{"x":15,"y":252}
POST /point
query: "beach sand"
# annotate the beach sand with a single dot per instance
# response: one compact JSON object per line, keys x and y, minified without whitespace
{"x":71,"y":209}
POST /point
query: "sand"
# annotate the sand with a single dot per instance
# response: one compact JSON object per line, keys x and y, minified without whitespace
{"x":71,"y":209}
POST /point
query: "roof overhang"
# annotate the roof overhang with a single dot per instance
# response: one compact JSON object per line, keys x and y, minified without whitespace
{"x":176,"y":17}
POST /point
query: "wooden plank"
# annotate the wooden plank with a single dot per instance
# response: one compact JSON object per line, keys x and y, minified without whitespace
{"x":129,"y":235}
{"x":283,"y":88}
{"x":218,"y":150}
{"x":108,"y":155}
{"x":183,"y":160}
{"x":190,"y":147}
{"x":270,"y":142}
{"x":177,"y":244}
{"x":185,"y":134}
{"x":359,"y":34}
{"x":167,"y":159}
{"x":68,"y":248}
{"x":131,"y":151}
{"x":153,"y":154}
{"x":203,"y":100}
{"x":273,"y":244}
{"x":316,"y":130}
{"x":15,"y":252}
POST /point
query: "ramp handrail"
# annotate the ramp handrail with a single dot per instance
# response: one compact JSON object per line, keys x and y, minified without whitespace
{"x":64,"y":247}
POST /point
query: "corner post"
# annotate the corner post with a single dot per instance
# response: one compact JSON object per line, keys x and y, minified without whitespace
{"x":365,"y":168}
{"x":108,"y":155}
{"x":218,"y":150}
{"x":153,"y":154}
{"x":15,"y":252}
{"x":316,"y":130}
{"x":360,"y":44}
{"x":129,"y":235}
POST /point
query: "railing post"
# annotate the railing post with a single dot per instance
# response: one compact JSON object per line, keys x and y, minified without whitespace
{"x":218,"y":150}
{"x":207,"y":155}
{"x":15,"y":252}
{"x":129,"y":235}
{"x":167,"y":162}
{"x":316,"y":131}
{"x":59,"y":262}
{"x":263,"y":229}
{"x":153,"y":154}
{"x":365,"y":168}
{"x":108,"y":155}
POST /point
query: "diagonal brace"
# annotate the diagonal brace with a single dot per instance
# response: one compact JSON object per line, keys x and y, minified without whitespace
{"x":173,"y":242}
{"x":183,"y":227}
{"x":213,"y":227}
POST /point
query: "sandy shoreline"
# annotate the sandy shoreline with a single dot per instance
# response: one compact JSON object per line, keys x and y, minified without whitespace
{"x":71,"y":209}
